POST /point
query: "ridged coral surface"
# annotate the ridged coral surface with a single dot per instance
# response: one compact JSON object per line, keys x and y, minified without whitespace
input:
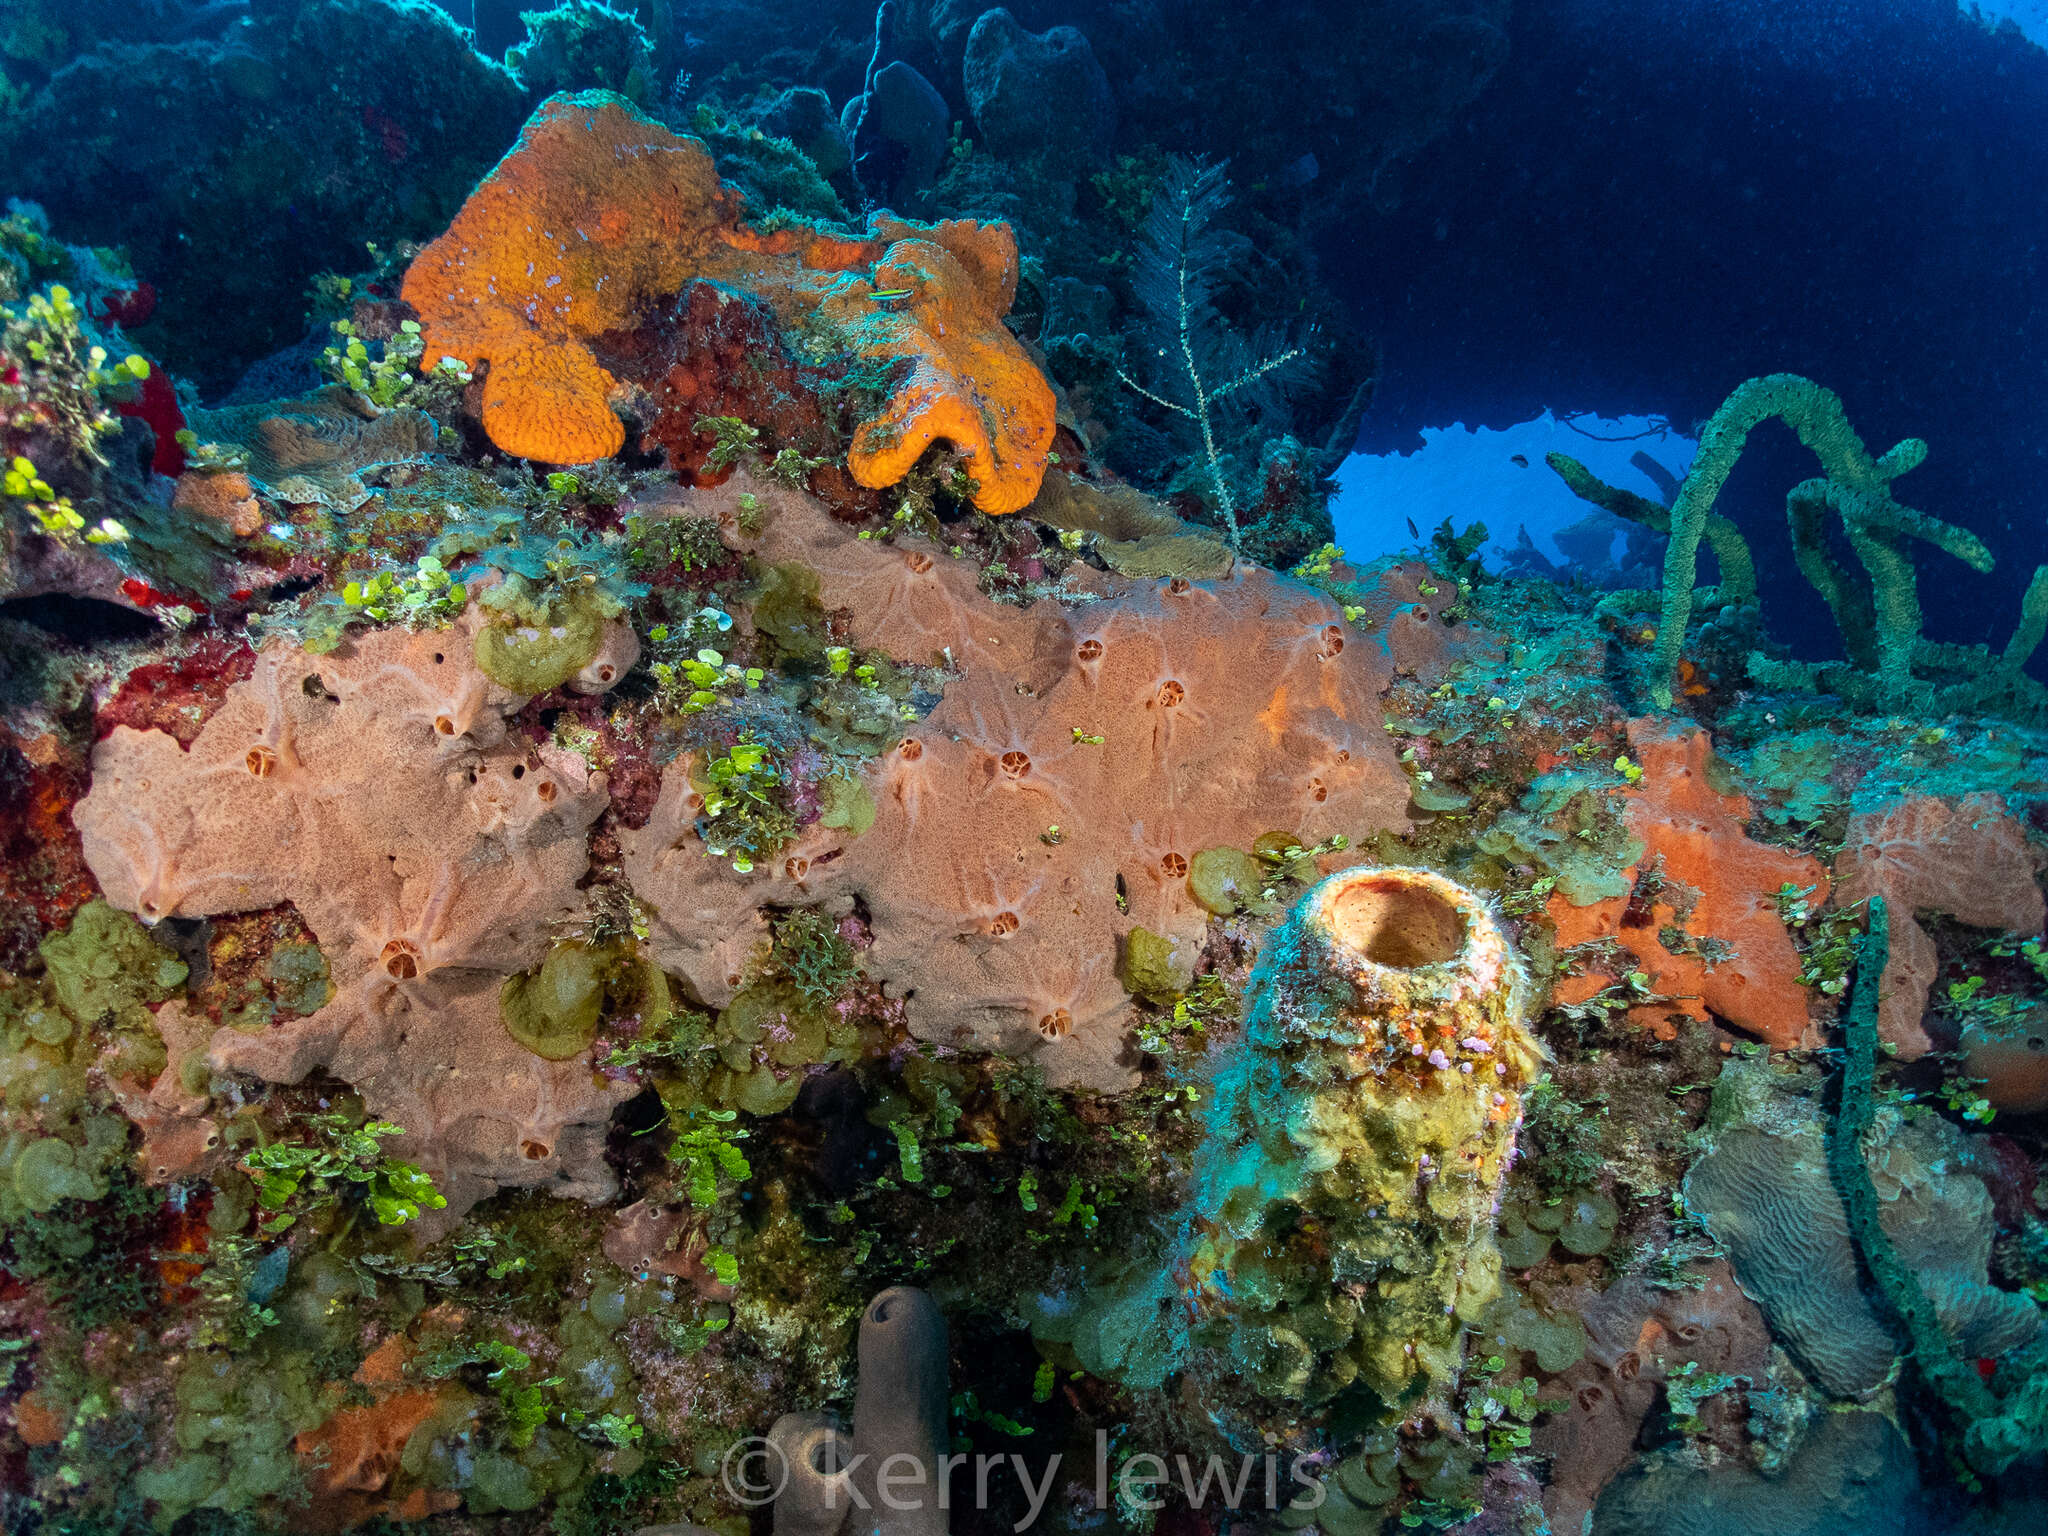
{"x":315,"y":449}
{"x":1764,"y":1193}
{"x":600,"y":214}
{"x":1853,"y":1472}
{"x":375,"y":789}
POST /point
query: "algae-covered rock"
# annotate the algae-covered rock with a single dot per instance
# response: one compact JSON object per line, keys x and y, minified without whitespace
{"x":539,"y":656}
{"x":91,"y":1009}
{"x":47,"y":1171}
{"x":301,"y":976}
{"x":105,"y":968}
{"x":1225,"y":880}
{"x":1522,"y":1245}
{"x":1158,"y":969}
{"x":1590,"y":1217}
{"x":787,"y":608}
{"x":500,"y":1483}
{"x":234,"y":1418}
{"x":845,"y":805}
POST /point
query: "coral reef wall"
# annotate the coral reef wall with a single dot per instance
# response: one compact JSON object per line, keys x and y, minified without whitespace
{"x":707,"y":840}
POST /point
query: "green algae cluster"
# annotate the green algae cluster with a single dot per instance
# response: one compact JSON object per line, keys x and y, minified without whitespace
{"x":1158,"y":969}
{"x":1225,"y":881}
{"x":751,"y":1055}
{"x":762,"y":1041}
{"x":553,"y":596}
{"x":1514,"y":1323}
{"x":90,"y":1007}
{"x":1360,"y":1494}
{"x":1581,"y":1222}
{"x":541,"y":652}
{"x":554,"y":1011}
{"x":1565,"y":827}
{"x":233,"y":1423}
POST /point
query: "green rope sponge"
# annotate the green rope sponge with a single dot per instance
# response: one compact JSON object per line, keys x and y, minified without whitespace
{"x":1881,"y":627}
{"x":1731,"y":550}
{"x":1998,"y":1427}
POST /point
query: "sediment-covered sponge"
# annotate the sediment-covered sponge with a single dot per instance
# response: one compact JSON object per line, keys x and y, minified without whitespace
{"x":1764,"y":1192}
{"x":1967,"y":858}
{"x":1057,"y":800}
{"x":1344,"y":1194}
{"x":599,"y":214}
{"x":1339,"y":1228}
{"x":374,"y":787}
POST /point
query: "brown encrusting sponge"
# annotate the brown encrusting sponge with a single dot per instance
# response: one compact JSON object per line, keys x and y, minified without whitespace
{"x":376,"y":790}
{"x":1058,"y":803}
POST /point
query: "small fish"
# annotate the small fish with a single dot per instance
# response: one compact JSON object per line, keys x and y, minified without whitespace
{"x":1298,"y":172}
{"x":891,"y":293}
{"x":1413,"y":531}
{"x":1520,"y":461}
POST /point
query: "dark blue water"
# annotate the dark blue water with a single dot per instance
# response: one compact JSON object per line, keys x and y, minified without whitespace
{"x":1654,"y":202}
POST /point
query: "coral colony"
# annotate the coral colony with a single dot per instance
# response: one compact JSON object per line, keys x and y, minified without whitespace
{"x":740,"y":856}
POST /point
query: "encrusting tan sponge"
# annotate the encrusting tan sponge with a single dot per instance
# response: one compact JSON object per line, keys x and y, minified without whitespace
{"x":376,"y":790}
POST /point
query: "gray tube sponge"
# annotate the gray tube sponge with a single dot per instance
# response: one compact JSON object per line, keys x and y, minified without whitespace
{"x":899,"y":1416}
{"x":813,"y":1454}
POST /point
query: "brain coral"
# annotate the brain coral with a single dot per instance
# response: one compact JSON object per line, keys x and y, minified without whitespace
{"x":1969,"y":859}
{"x":599,"y":214}
{"x":1764,"y":1193}
{"x":1226,"y":709}
{"x":315,"y":449}
{"x":1680,"y":817}
{"x":375,"y":789}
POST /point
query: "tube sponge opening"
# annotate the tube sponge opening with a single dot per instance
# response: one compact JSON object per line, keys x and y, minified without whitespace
{"x":1394,"y":922}
{"x":899,"y":1410}
{"x":815,"y":1455}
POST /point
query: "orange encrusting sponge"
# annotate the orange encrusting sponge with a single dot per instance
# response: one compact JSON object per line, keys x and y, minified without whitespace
{"x":598,"y":214}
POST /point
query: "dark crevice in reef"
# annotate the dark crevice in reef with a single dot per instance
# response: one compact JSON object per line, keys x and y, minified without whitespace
{"x":79,"y":620}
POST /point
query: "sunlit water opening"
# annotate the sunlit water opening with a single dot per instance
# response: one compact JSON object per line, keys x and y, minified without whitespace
{"x":1387,"y":503}
{"x":2030,"y":16}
